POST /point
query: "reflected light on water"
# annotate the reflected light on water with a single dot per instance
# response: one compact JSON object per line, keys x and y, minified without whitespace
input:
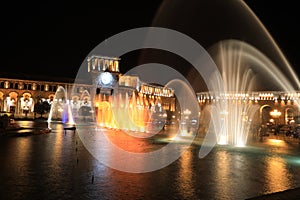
{"x":58,"y":144}
{"x":222,"y":172}
{"x":22,"y":149}
{"x":25,"y":124}
{"x":276,"y":142}
{"x":277,"y":175}
{"x":45,"y":166}
{"x":185,"y":178}
{"x":21,"y":161}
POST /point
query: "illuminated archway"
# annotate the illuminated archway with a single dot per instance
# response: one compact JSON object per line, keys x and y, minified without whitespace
{"x":85,"y":98}
{"x":26,"y":103}
{"x":11,"y":102}
{"x":264,"y":113}
{"x":289,"y":114}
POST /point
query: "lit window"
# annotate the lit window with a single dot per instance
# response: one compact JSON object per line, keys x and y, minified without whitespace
{"x":6,"y":84}
{"x":34,"y":86}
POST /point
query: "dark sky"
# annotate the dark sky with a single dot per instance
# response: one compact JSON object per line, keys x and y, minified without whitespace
{"x":52,"y":38}
{"x":281,"y":18}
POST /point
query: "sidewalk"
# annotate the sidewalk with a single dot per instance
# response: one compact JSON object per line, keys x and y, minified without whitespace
{"x":291,"y":194}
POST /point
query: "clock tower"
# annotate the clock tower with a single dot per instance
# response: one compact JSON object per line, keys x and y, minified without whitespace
{"x":105,"y":73}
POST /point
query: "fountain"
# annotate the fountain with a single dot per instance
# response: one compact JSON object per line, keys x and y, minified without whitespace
{"x":257,"y":65}
{"x":83,"y":109}
{"x":60,"y":110}
{"x":243,"y":69}
{"x":188,"y":108}
{"x":123,"y":111}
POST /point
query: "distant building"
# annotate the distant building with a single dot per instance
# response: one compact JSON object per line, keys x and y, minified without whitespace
{"x":107,"y":81}
{"x":286,"y":104}
{"x":19,"y":96}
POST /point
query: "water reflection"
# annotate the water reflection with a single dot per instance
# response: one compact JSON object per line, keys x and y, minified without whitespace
{"x":46,"y":167}
{"x":21,"y":152}
{"x":277,"y":176}
{"x":185,"y":177}
{"x":25,"y":124}
{"x":222,"y":172}
{"x":57,"y":147}
{"x":277,"y":142}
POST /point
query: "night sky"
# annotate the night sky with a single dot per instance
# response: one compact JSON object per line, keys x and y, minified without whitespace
{"x":52,"y":38}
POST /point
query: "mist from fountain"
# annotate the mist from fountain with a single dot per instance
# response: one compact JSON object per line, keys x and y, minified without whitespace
{"x":123,"y":111}
{"x":60,"y":110}
{"x":188,"y":108}
{"x":243,"y":69}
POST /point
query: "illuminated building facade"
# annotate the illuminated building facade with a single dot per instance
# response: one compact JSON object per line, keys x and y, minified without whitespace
{"x":20,"y":96}
{"x":107,"y":78}
{"x":110,"y":88}
{"x":285,"y":105}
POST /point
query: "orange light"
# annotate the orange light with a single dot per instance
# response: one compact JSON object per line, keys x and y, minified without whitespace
{"x":275,"y":141}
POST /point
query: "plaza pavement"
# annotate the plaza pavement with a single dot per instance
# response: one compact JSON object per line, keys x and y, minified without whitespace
{"x":291,"y":194}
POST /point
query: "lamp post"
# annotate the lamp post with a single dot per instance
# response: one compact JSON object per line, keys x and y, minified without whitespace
{"x":185,"y":122}
{"x":275,"y":114}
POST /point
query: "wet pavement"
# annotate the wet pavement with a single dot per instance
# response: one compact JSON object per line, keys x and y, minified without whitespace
{"x":291,"y":194}
{"x":58,"y":165}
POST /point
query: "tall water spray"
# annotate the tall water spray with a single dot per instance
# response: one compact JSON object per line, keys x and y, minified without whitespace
{"x":188,"y":107}
{"x":123,"y":111}
{"x":60,"y":109}
{"x":243,"y":70}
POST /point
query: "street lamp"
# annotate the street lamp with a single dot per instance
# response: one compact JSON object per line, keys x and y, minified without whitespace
{"x":275,"y":114}
{"x":185,"y":122}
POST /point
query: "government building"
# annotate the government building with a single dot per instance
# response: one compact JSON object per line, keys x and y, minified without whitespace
{"x":20,"y":96}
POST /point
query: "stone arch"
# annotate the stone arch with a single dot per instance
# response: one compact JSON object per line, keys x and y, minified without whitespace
{"x":26,"y":95}
{"x":13,"y":95}
{"x":289,"y":114}
{"x":264,"y":113}
{"x":85,"y":98}
{"x":26,"y":103}
{"x":12,"y":101}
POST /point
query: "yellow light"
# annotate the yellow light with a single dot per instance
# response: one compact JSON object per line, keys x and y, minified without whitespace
{"x":275,"y":141}
{"x":275,"y":113}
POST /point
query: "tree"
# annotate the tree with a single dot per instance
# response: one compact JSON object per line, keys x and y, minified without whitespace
{"x":85,"y":111}
{"x":4,"y":121}
{"x":42,"y":107}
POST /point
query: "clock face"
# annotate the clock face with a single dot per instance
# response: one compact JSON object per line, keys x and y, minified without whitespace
{"x":106,"y":78}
